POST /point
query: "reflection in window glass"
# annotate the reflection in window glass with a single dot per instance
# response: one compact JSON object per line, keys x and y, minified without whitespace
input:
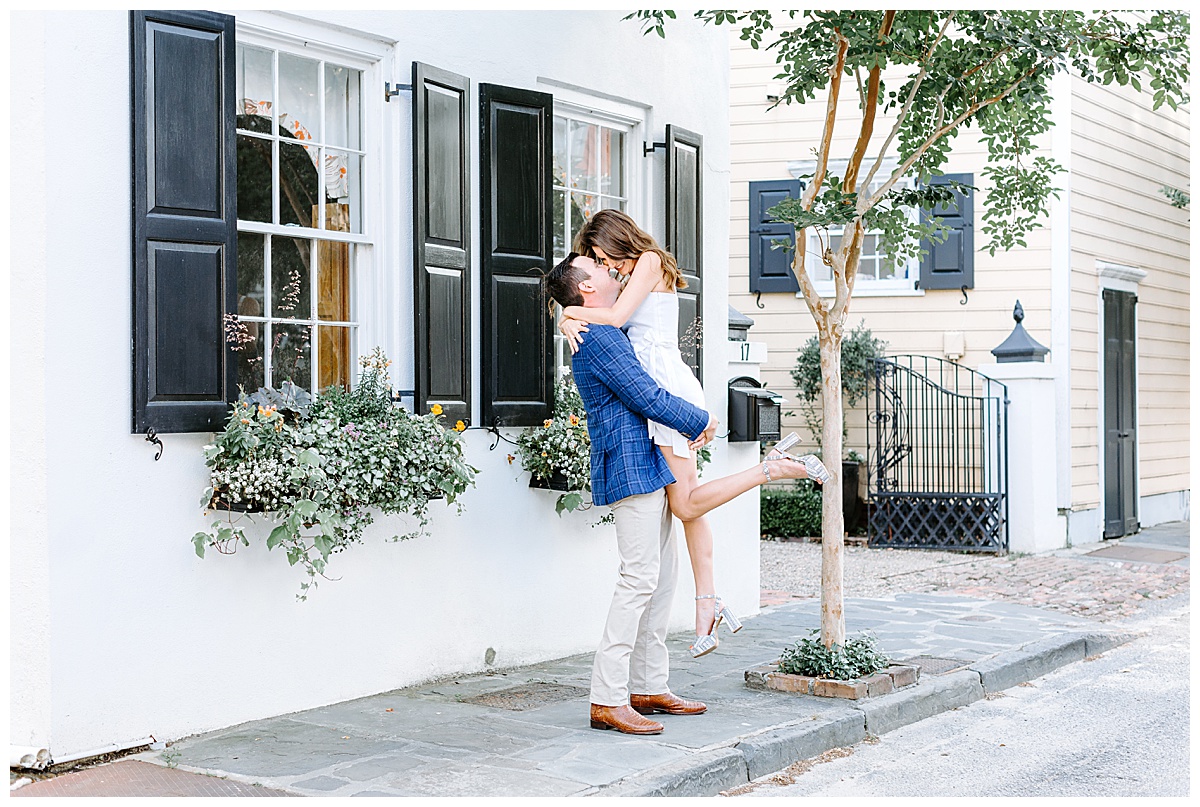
{"x":291,"y":352}
{"x":333,"y":288}
{"x":334,"y":358}
{"x":584,"y":157}
{"x":297,"y":184}
{"x":342,"y":124}
{"x":251,"y":278}
{"x":560,"y":151}
{"x":255,"y":164}
{"x":612,"y":162}
{"x":299,"y":108}
{"x":246,"y":340}
{"x":255,"y":88}
{"x":343,"y":191}
{"x":290,"y":282}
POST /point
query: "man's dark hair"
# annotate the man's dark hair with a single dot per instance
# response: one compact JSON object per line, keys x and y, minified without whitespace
{"x":562,"y":284}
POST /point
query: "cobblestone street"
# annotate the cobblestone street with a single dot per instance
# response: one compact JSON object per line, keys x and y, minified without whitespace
{"x":1072,"y":582}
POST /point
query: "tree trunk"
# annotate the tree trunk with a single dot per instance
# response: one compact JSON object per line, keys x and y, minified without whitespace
{"x":833,"y":618}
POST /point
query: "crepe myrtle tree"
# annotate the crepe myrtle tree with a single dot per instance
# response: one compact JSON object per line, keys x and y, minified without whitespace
{"x":947,"y":71}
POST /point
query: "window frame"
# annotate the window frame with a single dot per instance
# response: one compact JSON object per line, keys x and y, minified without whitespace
{"x":863,"y":287}
{"x":306,"y":39}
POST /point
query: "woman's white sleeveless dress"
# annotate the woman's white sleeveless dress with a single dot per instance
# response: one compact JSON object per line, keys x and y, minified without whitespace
{"x":653,"y":330}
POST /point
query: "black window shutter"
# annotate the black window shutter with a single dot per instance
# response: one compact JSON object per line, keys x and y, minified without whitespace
{"x":951,"y":264}
{"x":442,"y":241}
{"x":514,"y":162}
{"x":184,"y":219}
{"x":685,"y":234}
{"x":771,"y":269}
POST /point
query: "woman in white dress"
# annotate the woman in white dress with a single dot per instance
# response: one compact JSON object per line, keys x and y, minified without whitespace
{"x":648,"y":310}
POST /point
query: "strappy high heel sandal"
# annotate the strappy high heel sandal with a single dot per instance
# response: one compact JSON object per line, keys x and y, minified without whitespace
{"x":707,"y":643}
{"x":813,"y":466}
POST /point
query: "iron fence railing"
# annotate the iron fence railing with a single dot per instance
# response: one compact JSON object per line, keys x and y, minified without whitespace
{"x":937,"y":456}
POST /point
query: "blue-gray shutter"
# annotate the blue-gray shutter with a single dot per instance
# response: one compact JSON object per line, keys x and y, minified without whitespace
{"x":771,"y":269}
{"x":442,"y":241}
{"x":685,"y":235}
{"x":515,"y":145}
{"x":951,"y":264}
{"x":184,"y":219}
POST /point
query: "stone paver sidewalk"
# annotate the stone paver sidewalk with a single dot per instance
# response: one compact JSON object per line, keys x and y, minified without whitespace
{"x":525,"y":732}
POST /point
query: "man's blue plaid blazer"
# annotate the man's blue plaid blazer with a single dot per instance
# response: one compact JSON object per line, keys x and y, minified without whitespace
{"x":620,"y":397}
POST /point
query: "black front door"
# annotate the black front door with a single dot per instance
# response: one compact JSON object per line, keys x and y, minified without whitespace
{"x":1120,"y":411}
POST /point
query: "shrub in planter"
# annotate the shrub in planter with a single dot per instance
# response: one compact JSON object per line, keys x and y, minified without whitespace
{"x":790,"y":513}
{"x":558,"y":453}
{"x":860,"y":656}
{"x":859,"y":347}
{"x":319,"y":469}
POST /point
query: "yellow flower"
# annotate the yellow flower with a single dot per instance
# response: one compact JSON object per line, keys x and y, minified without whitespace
{"x":546,"y":423}
{"x":460,"y":426}
{"x":437,"y":409}
{"x":245,"y":421}
{"x":510,"y":459}
{"x":574,"y":420}
{"x":544,"y":454}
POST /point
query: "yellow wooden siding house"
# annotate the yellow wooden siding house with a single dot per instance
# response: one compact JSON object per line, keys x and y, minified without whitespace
{"x":1111,"y":232}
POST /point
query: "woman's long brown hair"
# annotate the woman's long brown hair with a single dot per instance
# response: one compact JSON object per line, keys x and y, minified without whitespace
{"x":621,"y":239}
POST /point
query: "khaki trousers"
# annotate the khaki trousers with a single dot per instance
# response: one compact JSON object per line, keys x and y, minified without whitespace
{"x":633,"y":650}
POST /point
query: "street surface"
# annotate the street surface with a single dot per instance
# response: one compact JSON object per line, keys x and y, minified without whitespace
{"x":1116,"y":725}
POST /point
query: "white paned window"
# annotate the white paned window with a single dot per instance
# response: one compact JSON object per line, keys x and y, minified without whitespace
{"x":589,"y":172}
{"x":592,"y":171}
{"x":301,"y":168}
{"x":877,"y":274}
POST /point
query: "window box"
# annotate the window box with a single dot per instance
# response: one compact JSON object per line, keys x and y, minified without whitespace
{"x":558,"y":481}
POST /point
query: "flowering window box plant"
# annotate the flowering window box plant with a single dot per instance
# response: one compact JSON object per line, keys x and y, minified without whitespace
{"x":558,"y":454}
{"x":319,"y":468}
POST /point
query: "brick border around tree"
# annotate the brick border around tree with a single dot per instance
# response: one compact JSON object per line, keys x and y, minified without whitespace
{"x":887,"y":680}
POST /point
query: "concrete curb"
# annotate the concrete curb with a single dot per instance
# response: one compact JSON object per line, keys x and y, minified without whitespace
{"x":928,"y":698}
{"x":704,"y":774}
{"x":1029,"y":661}
{"x":777,"y":748}
{"x":710,"y":772}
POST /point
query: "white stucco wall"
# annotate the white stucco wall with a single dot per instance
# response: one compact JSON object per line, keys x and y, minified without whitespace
{"x":119,"y":631}
{"x":29,"y":546}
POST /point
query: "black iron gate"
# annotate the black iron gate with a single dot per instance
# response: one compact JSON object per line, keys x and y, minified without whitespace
{"x":937,"y":456}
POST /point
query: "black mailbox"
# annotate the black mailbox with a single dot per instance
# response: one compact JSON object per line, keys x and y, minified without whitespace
{"x":753,"y":411}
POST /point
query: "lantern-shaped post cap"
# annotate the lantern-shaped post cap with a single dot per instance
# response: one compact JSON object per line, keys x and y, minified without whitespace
{"x":1019,"y":346}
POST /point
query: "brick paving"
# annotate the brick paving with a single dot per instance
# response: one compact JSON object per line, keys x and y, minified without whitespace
{"x":129,"y":777}
{"x":1094,"y":587}
{"x":1098,"y":589}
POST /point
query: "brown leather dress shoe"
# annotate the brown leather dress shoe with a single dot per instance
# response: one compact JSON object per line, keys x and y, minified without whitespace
{"x":623,"y":718}
{"x":667,"y":702}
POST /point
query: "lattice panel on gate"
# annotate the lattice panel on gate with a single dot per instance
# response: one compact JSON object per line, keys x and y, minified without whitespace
{"x":938,"y":521}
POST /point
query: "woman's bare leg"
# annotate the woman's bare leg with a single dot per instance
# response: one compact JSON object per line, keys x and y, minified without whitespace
{"x":697,"y":533}
{"x":690,"y":502}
